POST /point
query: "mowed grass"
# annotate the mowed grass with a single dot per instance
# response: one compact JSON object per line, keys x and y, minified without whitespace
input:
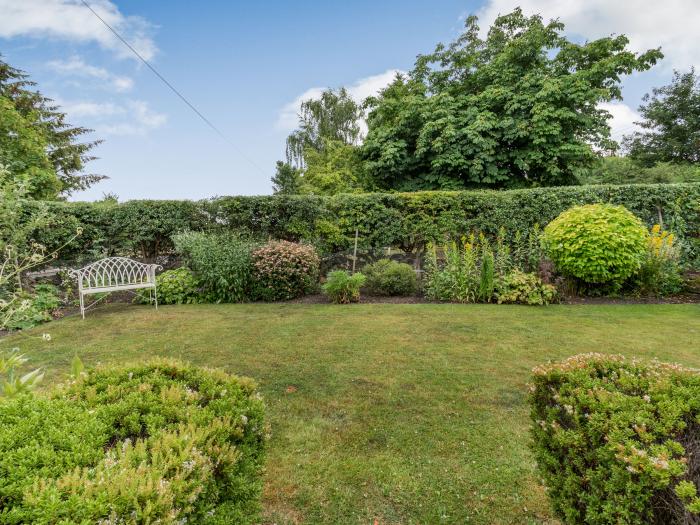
{"x":383,"y":413}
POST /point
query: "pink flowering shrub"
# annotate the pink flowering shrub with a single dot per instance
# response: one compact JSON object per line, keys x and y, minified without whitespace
{"x":284,"y":270}
{"x":618,"y":441}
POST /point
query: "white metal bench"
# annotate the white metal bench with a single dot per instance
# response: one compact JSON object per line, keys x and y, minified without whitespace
{"x":115,"y":274}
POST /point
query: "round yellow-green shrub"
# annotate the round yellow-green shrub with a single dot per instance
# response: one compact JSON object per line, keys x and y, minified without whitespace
{"x":596,"y":243}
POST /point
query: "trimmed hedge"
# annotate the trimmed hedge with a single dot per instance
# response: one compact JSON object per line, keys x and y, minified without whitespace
{"x":157,"y":443}
{"x":616,"y":440}
{"x":404,"y":220}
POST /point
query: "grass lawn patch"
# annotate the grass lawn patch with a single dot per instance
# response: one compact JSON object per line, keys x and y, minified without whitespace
{"x":406,"y":413}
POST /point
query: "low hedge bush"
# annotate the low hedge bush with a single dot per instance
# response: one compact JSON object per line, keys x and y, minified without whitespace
{"x":284,"y":270}
{"x":597,"y":243}
{"x":221,"y":263}
{"x":178,"y":286}
{"x":157,"y":443}
{"x":343,"y":288}
{"x":616,"y":440}
{"x":387,"y":277}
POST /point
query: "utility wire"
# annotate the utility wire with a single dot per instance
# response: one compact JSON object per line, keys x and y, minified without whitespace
{"x":174,"y":90}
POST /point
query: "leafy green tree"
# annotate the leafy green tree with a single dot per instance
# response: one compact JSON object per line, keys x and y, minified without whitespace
{"x":336,"y":168}
{"x":519,"y":107}
{"x":624,"y":170}
{"x":671,"y":123}
{"x":65,"y":151}
{"x":322,"y":152}
{"x":335,"y":116}
{"x":286,"y":180}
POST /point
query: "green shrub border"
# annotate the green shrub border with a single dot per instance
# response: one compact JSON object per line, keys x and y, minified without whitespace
{"x":404,"y":220}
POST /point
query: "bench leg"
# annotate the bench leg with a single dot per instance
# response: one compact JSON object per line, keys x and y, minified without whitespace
{"x":82,"y":305}
{"x":155,"y":296}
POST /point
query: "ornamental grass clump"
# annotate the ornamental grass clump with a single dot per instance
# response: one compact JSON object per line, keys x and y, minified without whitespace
{"x":163,"y":442}
{"x":284,"y":270}
{"x":616,"y":440}
{"x":597,"y":243}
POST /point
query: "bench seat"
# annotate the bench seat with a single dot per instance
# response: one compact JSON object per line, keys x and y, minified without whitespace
{"x":115,"y":274}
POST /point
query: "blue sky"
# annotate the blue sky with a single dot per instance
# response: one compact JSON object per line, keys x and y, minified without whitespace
{"x":246,"y":65}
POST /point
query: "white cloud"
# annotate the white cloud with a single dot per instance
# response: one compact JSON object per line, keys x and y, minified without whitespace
{"x":97,"y":110}
{"x":71,"y":20}
{"x":359,"y":90}
{"x":623,"y":119}
{"x":75,"y":66}
{"x":671,"y":24}
{"x":133,"y":117}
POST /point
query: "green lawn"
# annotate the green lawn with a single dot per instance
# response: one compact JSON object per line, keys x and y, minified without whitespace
{"x":394,"y":413}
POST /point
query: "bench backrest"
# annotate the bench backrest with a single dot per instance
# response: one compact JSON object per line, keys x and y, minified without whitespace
{"x":114,"y":272}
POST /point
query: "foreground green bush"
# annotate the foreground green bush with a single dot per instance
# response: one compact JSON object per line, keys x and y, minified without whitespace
{"x":387,"y":277}
{"x":616,"y":440}
{"x":343,"y":288}
{"x":221,"y":263}
{"x":157,"y":443}
{"x":284,"y":270}
{"x":596,"y":243}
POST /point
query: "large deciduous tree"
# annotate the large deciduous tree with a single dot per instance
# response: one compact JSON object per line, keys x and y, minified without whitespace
{"x":519,"y":107}
{"x":671,"y":123}
{"x":40,"y":125}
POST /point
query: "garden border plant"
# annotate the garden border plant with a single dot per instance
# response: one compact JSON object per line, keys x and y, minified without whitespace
{"x":156,"y":442}
{"x":616,"y":440}
{"x":597,"y":244}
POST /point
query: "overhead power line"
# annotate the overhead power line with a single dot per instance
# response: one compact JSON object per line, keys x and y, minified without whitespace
{"x":174,"y":90}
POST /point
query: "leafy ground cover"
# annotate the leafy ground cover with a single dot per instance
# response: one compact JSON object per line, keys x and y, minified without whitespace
{"x":382,"y":413}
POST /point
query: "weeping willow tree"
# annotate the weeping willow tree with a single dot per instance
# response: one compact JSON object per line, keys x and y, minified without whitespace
{"x":334,"y":117}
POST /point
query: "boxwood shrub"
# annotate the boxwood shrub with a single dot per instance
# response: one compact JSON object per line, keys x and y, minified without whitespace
{"x":157,"y":443}
{"x":616,"y":440}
